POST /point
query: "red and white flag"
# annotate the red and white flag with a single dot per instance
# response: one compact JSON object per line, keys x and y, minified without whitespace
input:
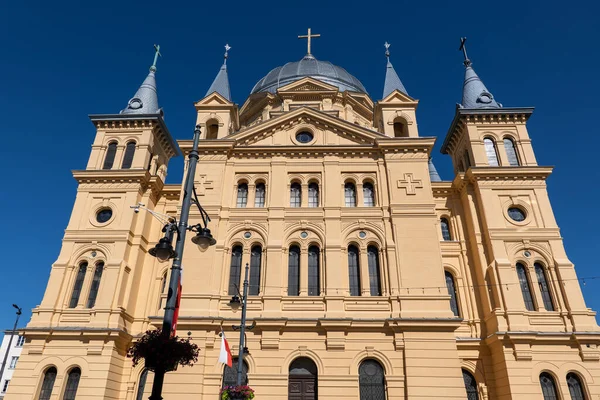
{"x":225,"y":355}
{"x":176,"y":313}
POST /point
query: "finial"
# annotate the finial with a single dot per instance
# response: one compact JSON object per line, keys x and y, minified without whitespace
{"x":227,"y":48}
{"x":387,"y":49}
{"x":309,"y":36}
{"x":156,"y":55}
{"x":462,"y":47}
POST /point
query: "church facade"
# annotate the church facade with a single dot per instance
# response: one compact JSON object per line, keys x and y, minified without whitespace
{"x":370,"y":277}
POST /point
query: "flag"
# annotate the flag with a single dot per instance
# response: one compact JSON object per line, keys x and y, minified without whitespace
{"x":225,"y":355}
{"x":176,"y":313}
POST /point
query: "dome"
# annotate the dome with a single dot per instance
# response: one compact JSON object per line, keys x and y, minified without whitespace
{"x":309,"y":66}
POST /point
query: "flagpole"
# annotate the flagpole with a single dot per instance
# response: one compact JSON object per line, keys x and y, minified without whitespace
{"x":243,"y":328}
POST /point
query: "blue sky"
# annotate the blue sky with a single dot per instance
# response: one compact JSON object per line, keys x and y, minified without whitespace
{"x":62,"y":61}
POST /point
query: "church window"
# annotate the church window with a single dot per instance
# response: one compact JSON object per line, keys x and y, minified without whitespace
{"x":48,"y":384}
{"x":230,"y":374}
{"x":314,"y":255}
{"x":445,"y":229}
{"x":128,"y":157}
{"x":353,"y":271}
{"x":20,"y":341}
{"x":212,"y":129}
{"x":294,"y":271}
{"x":242,"y":195}
{"x":400,"y":129}
{"x":371,"y":379}
{"x":511,"y":152}
{"x":516,"y":214}
{"x":95,"y":285}
{"x":142,"y":385}
{"x":72,"y":384}
{"x":304,"y":137}
{"x":525,"y":287}
{"x":235,"y":270}
{"x":490,"y":152}
{"x":260,"y":194}
{"x":374,"y":271}
{"x":109,"y":159}
{"x":78,"y":285}
{"x":548,"y":386}
{"x":451,"y":286}
{"x":350,"y":194}
{"x":255,"y":265}
{"x":295,"y":195}
{"x":368,"y":194}
{"x":313,"y":194}
{"x":104,"y":215}
{"x":470,"y":385}
{"x":543,"y":285}
{"x":575,"y":387}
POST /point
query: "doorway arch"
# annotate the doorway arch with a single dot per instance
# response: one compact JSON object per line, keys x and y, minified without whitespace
{"x":302,"y":380}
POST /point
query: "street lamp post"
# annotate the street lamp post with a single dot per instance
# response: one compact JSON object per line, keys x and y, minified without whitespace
{"x":19,"y":312}
{"x":235,"y":303}
{"x":164,"y":249}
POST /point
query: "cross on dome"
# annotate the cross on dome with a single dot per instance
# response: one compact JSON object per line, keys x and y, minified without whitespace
{"x":156,"y":55}
{"x":309,"y":36}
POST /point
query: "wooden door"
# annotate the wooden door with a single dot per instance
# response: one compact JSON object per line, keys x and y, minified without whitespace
{"x":302,"y":387}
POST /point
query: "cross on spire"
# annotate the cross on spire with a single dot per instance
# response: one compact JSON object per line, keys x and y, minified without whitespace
{"x":387,"y":49}
{"x":309,"y":36}
{"x":463,"y":48}
{"x":156,"y":55}
{"x":227,"y":48}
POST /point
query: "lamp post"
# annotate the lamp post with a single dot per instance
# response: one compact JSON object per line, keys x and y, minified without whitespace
{"x":14,"y":330}
{"x":164,"y":249}
{"x":235,"y":303}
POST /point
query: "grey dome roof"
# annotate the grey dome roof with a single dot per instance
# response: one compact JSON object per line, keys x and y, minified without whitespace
{"x":309,"y":66}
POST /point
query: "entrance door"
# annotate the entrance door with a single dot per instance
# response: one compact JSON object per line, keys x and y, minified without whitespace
{"x":302,"y":381}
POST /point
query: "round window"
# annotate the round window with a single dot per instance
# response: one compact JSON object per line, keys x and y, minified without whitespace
{"x":247,"y":235}
{"x":362,"y":234}
{"x":304,"y":137}
{"x":304,"y":235}
{"x":104,"y":215}
{"x":516,"y":214}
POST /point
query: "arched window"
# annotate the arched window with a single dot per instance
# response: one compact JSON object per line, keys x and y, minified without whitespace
{"x":548,"y":386}
{"x":511,"y":152}
{"x":230,"y":374}
{"x":109,"y":159}
{"x":48,"y":384}
{"x":374,"y":271}
{"x":142,"y":385}
{"x":302,"y":379}
{"x":353,"y":271}
{"x":445,"y":229}
{"x":235,"y":270}
{"x":400,"y":129}
{"x":368,"y":194}
{"x":575,"y":387}
{"x":295,"y":195}
{"x":470,"y":385}
{"x":490,"y":152}
{"x":350,"y":194}
{"x":314,"y":284}
{"x":72,"y":384}
{"x":371,"y":380}
{"x":255,"y":265}
{"x":95,"y":285}
{"x":294,"y":271}
{"x":452,"y":292}
{"x":543,"y":285}
{"x":260,"y":194}
{"x":212,"y":129}
{"x":242,"y":195}
{"x":525,"y":287}
{"x":128,"y":157}
{"x":313,"y":194}
{"x":78,"y":285}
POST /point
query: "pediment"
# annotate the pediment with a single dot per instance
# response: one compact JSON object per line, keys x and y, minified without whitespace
{"x":398,"y":97}
{"x":307,"y":84}
{"x":326,"y":129}
{"x":213,"y":99}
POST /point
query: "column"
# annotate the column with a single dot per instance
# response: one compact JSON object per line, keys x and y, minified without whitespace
{"x":360,"y":201}
{"x":365,"y":283}
{"x":251,"y":195}
{"x":303,"y":270}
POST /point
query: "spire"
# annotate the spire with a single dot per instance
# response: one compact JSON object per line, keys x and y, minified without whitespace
{"x":221,"y":82}
{"x":475,"y":94}
{"x":433,"y":174}
{"x":392,"y":81}
{"x":145,"y":100}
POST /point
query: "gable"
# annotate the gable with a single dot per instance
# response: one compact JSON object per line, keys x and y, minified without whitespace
{"x":213,"y":99}
{"x":307,"y":85}
{"x":398,"y":97}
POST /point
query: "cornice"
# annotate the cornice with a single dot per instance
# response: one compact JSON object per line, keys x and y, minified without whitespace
{"x":516,"y":174}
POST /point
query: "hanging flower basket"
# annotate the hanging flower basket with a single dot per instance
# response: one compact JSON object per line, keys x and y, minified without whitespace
{"x":242,"y":392}
{"x":162,"y":353}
